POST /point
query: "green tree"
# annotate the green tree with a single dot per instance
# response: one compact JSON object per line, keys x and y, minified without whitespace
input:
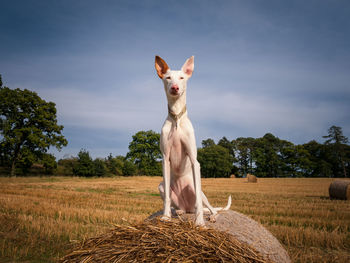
{"x":49,"y":162}
{"x":208,"y":143}
{"x":215,"y":161}
{"x":347,"y":159}
{"x":129,"y":168}
{"x":115,"y":164}
{"x":28,"y":127}
{"x":100,"y":168}
{"x":266,"y":156}
{"x":84,"y":165}
{"x":145,"y":153}
{"x":119,"y":164}
{"x":111,"y":164}
{"x":27,"y":160}
{"x":244,"y":148}
{"x":294,"y":160}
{"x":304,"y":165}
{"x":229,"y":145}
{"x":287,"y":155}
{"x":66,"y":166}
{"x":337,"y":142}
{"x":320,"y":159}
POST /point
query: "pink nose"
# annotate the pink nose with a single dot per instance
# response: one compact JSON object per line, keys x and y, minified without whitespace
{"x":175,"y":87}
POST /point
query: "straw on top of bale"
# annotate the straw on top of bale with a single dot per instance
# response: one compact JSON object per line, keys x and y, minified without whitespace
{"x":157,"y":241}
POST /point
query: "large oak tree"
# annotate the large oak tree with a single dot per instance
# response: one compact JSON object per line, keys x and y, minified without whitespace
{"x":28,"y":126}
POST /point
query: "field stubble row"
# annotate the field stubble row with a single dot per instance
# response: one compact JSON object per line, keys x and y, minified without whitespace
{"x":41,"y":217}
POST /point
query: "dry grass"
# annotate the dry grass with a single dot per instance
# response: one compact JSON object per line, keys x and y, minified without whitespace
{"x":40,"y":218}
{"x":158,"y":241}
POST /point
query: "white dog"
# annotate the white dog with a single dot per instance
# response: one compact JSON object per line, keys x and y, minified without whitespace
{"x":181,"y":186}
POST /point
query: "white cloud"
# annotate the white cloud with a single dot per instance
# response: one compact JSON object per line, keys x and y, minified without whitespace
{"x":130,"y":109}
{"x":240,"y":111}
{"x":255,"y":115}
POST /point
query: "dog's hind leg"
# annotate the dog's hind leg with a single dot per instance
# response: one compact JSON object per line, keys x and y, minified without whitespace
{"x":214,"y":210}
{"x":208,"y":205}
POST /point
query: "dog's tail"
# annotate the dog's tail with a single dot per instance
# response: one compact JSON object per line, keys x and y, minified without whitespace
{"x":217,"y":209}
{"x":229,"y":202}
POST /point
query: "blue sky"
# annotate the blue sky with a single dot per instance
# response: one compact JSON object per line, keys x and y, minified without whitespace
{"x":260,"y":66}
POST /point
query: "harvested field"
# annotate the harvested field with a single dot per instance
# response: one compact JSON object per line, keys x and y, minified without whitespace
{"x":42,"y":218}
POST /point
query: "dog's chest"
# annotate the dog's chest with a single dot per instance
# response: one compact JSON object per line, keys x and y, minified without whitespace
{"x":177,"y":152}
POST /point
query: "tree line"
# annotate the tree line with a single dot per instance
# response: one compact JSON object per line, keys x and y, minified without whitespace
{"x":143,"y":158}
{"x":28,"y":128}
{"x":267,"y":156}
{"x":270,"y":156}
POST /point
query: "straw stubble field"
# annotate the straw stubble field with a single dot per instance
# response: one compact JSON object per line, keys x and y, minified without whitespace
{"x":40,"y":218}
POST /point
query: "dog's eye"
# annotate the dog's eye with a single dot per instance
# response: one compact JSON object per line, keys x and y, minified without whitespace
{"x":168,"y":77}
{"x":181,"y":77}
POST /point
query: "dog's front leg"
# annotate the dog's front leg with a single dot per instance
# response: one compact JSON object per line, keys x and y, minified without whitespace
{"x":190,"y":144}
{"x":166,"y":178}
{"x":165,"y":147}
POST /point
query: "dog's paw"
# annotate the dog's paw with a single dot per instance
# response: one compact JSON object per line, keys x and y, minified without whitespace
{"x":200,"y":222}
{"x":165,"y":218}
{"x":180,"y":212}
{"x":212,"y":218}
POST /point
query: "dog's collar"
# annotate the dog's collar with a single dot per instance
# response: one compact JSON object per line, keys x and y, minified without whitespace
{"x":176,"y":117}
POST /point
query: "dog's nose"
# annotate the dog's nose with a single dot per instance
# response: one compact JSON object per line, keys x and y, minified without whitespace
{"x":175,"y":87}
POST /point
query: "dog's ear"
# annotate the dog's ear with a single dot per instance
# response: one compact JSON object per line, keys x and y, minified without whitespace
{"x":161,"y":66}
{"x":188,"y":66}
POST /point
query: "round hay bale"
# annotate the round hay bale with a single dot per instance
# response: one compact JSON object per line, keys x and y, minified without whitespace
{"x":252,"y":178}
{"x":339,"y":189}
{"x":243,"y":229}
{"x":156,"y":241}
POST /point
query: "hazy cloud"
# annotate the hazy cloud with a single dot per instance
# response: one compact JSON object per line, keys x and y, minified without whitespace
{"x":279,"y":67}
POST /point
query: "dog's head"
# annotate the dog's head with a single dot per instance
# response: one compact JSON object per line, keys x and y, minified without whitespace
{"x":174,"y":81}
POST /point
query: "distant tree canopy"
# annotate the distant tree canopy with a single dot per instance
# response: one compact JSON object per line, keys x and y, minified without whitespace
{"x":84,"y":166}
{"x":337,"y":141}
{"x":28,"y":127}
{"x":145,"y":153}
{"x":270,"y":156}
{"x":267,"y":156}
{"x":215,"y":160}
